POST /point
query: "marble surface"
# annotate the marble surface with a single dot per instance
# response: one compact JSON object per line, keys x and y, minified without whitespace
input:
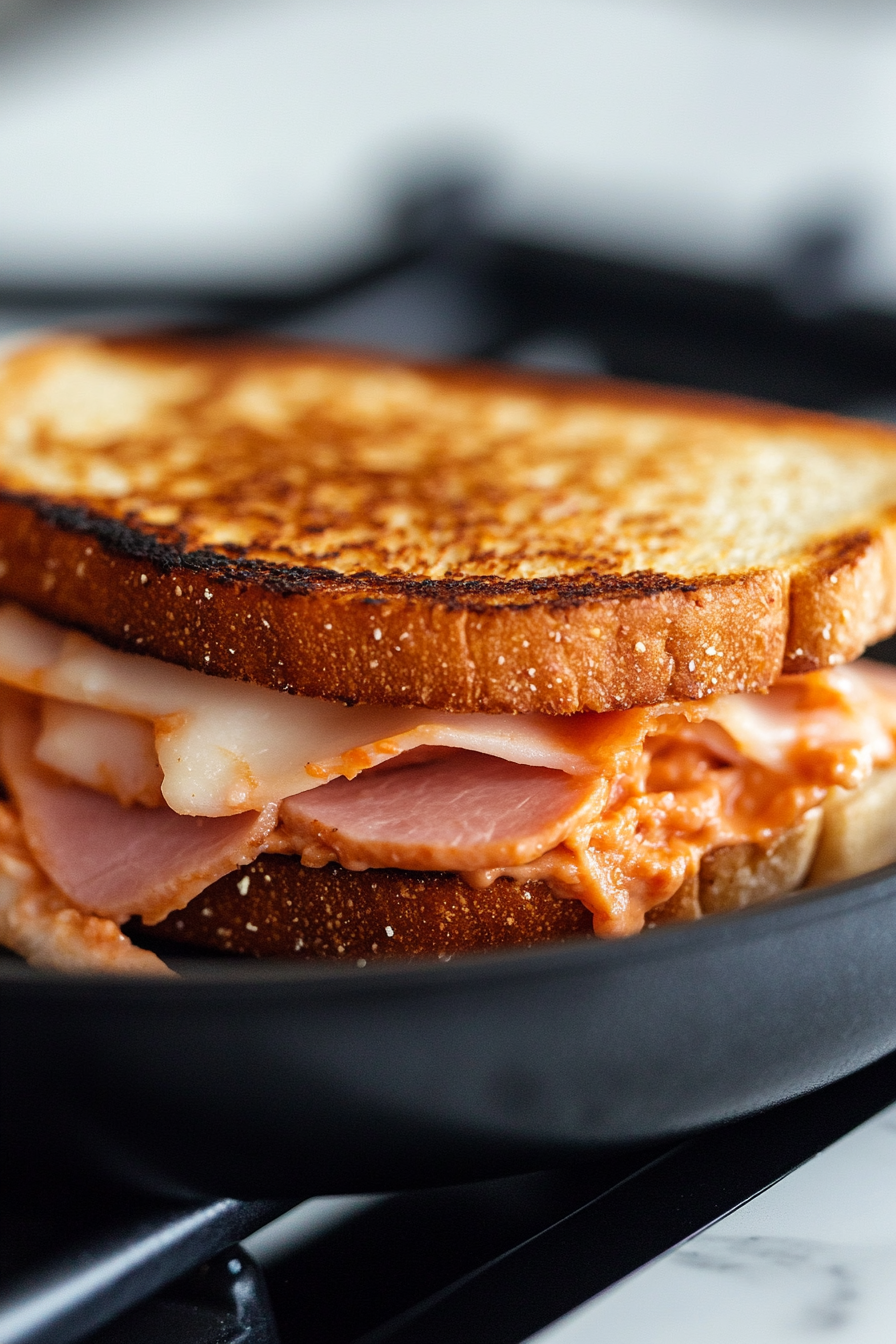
{"x":813,"y":1258}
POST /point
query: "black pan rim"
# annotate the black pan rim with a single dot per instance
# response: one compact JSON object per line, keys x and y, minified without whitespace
{"x":249,"y":977}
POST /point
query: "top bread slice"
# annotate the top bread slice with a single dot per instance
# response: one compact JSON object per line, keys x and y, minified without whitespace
{"x":461,"y":538}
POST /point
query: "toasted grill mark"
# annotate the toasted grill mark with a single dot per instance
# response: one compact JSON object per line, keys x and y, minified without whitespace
{"x":312,"y":460}
{"x":131,"y":540}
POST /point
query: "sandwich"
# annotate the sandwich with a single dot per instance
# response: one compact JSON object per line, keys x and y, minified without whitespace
{"x":315,"y":655}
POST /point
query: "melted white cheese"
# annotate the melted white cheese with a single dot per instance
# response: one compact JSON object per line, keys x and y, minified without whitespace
{"x":223,"y":747}
{"x":227,"y":746}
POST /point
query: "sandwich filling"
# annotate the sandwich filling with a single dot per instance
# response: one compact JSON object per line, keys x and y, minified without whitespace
{"x":133,"y":784}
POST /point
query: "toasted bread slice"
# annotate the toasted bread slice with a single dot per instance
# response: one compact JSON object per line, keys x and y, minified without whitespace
{"x":461,"y":538}
{"x":287,"y":910}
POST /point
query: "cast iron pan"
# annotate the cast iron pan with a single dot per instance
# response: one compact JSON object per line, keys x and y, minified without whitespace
{"x":253,"y":1079}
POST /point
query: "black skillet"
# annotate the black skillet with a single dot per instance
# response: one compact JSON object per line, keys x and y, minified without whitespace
{"x":251,"y":1079}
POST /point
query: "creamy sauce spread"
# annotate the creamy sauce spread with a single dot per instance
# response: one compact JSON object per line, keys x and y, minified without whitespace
{"x":746,"y":773}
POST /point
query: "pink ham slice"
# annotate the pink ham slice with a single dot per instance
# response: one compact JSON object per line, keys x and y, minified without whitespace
{"x":112,"y":860}
{"x":463,"y":812}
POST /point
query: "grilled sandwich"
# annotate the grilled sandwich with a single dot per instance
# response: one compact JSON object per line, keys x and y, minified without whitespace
{"x":308,"y":654}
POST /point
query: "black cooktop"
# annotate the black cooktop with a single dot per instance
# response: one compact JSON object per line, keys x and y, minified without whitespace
{"x":483,"y":1263}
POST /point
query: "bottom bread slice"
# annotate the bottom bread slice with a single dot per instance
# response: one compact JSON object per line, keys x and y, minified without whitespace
{"x":277,"y":907}
{"x":859,"y":832}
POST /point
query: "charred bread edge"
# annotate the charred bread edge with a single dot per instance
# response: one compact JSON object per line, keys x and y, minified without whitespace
{"x":596,"y":642}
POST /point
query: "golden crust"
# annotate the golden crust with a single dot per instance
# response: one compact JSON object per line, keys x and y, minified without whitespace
{"x":287,"y":910}
{"x":842,"y":599}
{"x":463,"y":539}
{"x":363,"y":643}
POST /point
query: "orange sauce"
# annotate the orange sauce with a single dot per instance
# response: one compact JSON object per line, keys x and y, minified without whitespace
{"x":685,"y":790}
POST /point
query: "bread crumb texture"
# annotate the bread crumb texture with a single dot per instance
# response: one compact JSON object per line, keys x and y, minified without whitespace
{"x":312,"y":913}
{"x":463,"y":538}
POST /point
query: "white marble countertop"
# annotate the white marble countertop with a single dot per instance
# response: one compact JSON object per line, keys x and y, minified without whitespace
{"x":814,"y":1257}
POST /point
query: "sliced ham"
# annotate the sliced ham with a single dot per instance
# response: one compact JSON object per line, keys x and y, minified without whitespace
{"x":42,"y":925}
{"x":463,"y":811}
{"x":111,"y":860}
{"x":226,"y":747}
{"x":613,"y":808}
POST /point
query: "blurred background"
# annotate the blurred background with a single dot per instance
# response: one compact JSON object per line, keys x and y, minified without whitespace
{"x":574,"y":184}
